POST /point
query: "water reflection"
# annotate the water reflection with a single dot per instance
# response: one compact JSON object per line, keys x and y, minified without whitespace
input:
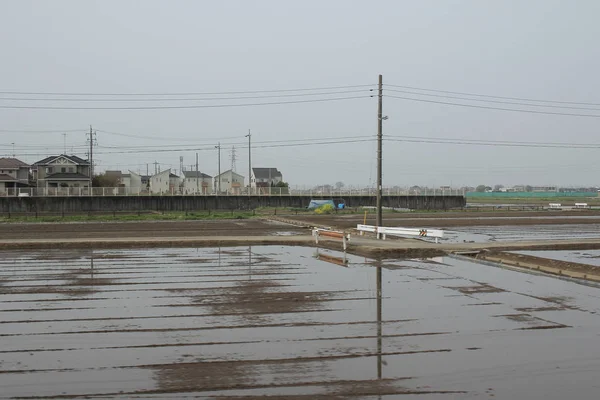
{"x":379,"y":314}
{"x":250,"y":262}
{"x":341,"y":261}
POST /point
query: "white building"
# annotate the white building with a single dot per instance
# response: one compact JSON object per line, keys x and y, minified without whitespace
{"x":134,"y":183}
{"x":196,"y":182}
{"x":175,"y":184}
{"x":159,"y":183}
{"x":230,"y":182}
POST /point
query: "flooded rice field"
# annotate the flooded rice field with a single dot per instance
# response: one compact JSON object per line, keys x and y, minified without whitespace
{"x":277,"y":322}
{"x":483,"y":234}
{"x":590,"y":257}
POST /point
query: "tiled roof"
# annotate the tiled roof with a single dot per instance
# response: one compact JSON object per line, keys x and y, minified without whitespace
{"x":194,"y":174}
{"x":75,"y":159}
{"x":9,"y":162}
{"x":7,"y":178}
{"x":266,"y":173}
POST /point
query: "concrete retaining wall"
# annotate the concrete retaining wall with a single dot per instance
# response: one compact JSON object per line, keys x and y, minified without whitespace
{"x":191,"y":203}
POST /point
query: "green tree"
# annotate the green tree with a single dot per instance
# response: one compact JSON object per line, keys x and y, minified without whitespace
{"x":480,"y":188}
{"x":101,"y":180}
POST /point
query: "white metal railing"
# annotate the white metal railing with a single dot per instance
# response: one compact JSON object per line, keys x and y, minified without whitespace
{"x":274,"y":191}
{"x":382,"y":231}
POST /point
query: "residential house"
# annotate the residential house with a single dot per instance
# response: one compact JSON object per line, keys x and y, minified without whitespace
{"x":265,"y":177}
{"x":145,"y":181}
{"x":14,"y":174}
{"x":229,"y":182}
{"x":134,"y":183}
{"x":160,"y":182}
{"x":126,"y":180}
{"x":174,"y":183}
{"x":62,"y":171}
{"x":196,"y":182}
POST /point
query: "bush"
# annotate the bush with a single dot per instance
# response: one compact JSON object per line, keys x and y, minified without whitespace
{"x":324,"y":209}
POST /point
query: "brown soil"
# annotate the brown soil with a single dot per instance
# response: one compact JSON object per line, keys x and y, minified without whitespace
{"x":450,"y":219}
{"x":59,"y":230}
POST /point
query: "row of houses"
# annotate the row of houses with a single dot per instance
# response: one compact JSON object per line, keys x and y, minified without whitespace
{"x":70,"y":171}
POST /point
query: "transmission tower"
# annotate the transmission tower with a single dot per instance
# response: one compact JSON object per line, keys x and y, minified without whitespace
{"x":233,"y":157}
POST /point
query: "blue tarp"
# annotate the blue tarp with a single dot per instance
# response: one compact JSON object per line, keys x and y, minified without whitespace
{"x":318,"y":203}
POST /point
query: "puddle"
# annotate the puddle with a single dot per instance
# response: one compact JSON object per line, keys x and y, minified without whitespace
{"x":485,"y":234}
{"x":590,"y":257}
{"x":290,"y":321}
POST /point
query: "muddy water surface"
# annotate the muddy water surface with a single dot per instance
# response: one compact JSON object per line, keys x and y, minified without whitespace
{"x":289,"y":321}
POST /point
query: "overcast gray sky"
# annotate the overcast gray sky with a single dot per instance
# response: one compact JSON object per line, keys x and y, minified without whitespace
{"x":539,"y":49}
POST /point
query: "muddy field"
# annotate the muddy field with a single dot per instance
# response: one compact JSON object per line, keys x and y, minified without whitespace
{"x":455,"y":220}
{"x":288,"y":322}
{"x":246,"y":227}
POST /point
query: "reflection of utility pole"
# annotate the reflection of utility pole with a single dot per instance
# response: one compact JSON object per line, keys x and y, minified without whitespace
{"x":92,"y":263}
{"x":250,"y":262}
{"x":379,"y":313}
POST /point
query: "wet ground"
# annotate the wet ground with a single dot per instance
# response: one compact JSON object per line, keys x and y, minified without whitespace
{"x":590,"y":257}
{"x":483,"y":234}
{"x":145,"y":229}
{"x":288,"y":322}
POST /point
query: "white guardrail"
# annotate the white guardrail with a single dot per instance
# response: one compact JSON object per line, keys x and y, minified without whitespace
{"x":382,"y":231}
{"x":317,"y":232}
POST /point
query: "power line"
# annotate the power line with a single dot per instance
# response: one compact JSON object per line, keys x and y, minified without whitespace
{"x":494,"y":101}
{"x":494,"y":108}
{"x":165,"y":137}
{"x":253,"y":147}
{"x":184,"y":93}
{"x":194,"y":106}
{"x":494,"y":97}
{"x":184,"y":98}
{"x":43,"y":131}
{"x":496,"y":144}
{"x":239,"y":142}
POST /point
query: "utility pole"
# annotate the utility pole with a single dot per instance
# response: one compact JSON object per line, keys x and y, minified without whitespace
{"x":249,"y":136}
{"x":155,"y":167}
{"x":65,"y":143}
{"x":218,"y":147}
{"x":92,"y":140}
{"x":379,"y":151}
{"x":197,"y":176}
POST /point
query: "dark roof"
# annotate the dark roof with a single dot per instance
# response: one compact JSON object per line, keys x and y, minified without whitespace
{"x":9,"y":162}
{"x":265,"y":173}
{"x":194,"y":174}
{"x":67,"y":175}
{"x":7,"y":178}
{"x":75,"y":159}
{"x":172,"y":175}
